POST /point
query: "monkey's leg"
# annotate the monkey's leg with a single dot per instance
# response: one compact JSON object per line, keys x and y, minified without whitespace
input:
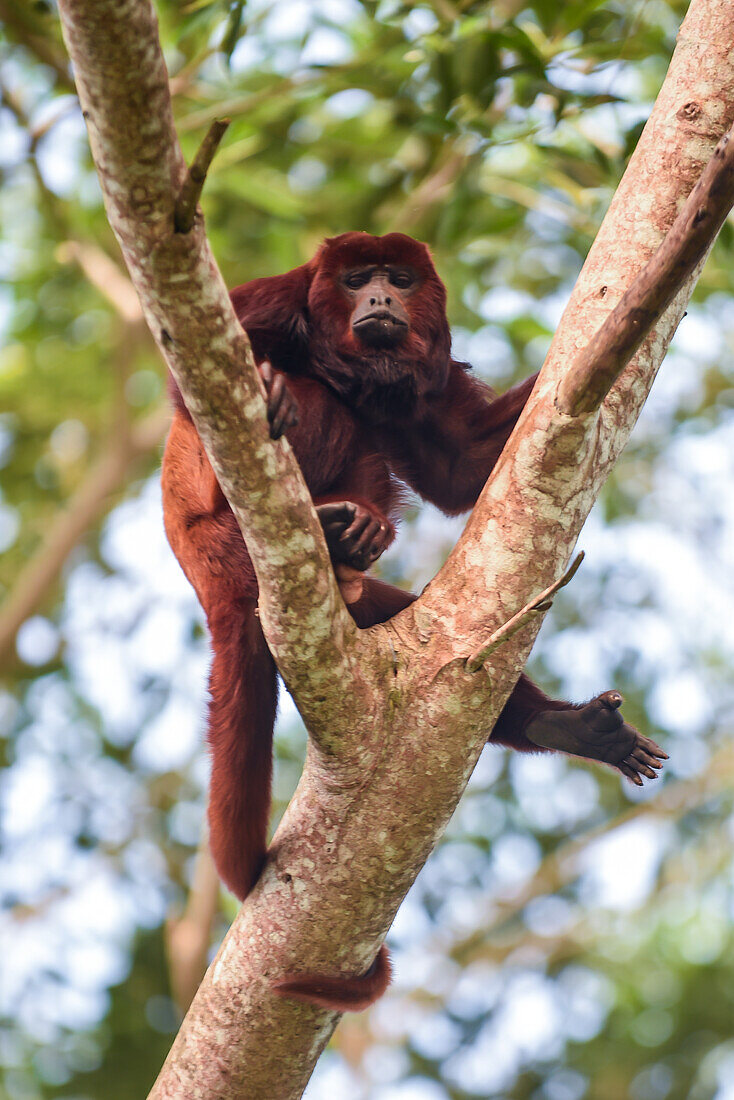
{"x":531,"y":721}
{"x":595,"y":730}
{"x":378,"y":602}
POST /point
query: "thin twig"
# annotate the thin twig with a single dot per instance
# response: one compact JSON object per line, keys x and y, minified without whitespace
{"x":594,"y":372}
{"x":106,"y":276}
{"x":536,"y":606}
{"x":185,"y":212}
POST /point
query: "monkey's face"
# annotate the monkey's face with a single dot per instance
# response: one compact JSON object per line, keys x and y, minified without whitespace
{"x":379,"y":317}
{"x":377,"y":320}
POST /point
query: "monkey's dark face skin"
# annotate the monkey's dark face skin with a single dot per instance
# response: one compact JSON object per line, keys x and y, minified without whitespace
{"x":377,"y":323}
{"x":380,"y":318}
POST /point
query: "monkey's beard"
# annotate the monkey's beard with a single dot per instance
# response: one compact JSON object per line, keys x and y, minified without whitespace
{"x":378,"y":385}
{"x":387,"y":390}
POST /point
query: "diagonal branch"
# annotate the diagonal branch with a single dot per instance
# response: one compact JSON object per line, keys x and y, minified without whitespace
{"x":123,"y":89}
{"x":87,"y":505}
{"x":540,"y":603}
{"x":590,"y":378}
{"x":106,"y":277}
{"x":188,"y":935}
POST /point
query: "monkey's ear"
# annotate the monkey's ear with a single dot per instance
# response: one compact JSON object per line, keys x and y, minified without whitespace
{"x":273,"y":312}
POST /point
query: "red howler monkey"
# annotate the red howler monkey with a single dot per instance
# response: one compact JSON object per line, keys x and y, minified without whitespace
{"x":363,"y":383}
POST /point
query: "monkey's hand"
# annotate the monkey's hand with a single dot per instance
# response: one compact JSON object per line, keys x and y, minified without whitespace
{"x":598,"y":731}
{"x":282,"y":405}
{"x":355,"y":535}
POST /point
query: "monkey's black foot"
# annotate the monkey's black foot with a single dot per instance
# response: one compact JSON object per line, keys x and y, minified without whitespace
{"x":282,"y":405}
{"x":598,"y":731}
{"x":355,"y":535}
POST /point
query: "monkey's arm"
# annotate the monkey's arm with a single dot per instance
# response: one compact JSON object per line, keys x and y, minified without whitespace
{"x":353,"y":490}
{"x":449,"y":453}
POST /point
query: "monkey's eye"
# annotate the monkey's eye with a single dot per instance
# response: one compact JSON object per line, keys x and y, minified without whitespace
{"x":355,"y":279}
{"x":401,"y":279}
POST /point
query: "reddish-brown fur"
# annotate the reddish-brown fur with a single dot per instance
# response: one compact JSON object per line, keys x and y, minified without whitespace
{"x":368,"y":421}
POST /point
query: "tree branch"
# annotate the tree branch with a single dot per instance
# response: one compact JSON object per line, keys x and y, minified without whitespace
{"x":106,"y":277}
{"x":88,"y":503}
{"x":542,"y":602}
{"x":192,"y":186}
{"x":188,"y":936}
{"x":590,"y":378}
{"x":123,"y":89}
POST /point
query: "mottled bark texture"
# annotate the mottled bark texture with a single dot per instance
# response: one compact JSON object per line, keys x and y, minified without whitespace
{"x":588,"y":381}
{"x":396,"y":720}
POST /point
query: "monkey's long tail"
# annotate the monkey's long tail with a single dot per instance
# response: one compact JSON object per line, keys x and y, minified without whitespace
{"x":340,"y":994}
{"x":243,"y":699}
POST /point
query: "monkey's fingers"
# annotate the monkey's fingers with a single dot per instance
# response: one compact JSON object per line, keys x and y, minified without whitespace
{"x":266,"y":373}
{"x":351,"y":536}
{"x":363,"y":559}
{"x":275,"y":401}
{"x":644,"y":757}
{"x":380,"y":543}
{"x":630,"y":773}
{"x":361,"y":518}
{"x":282,"y":408}
{"x":652,"y":748}
{"x":364,"y":543}
{"x":285,"y":418}
{"x":633,"y":762}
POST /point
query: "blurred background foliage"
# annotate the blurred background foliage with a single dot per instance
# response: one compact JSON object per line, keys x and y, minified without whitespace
{"x":572,"y":937}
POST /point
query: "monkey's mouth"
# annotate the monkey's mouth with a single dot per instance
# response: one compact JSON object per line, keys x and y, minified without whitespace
{"x":380,"y":329}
